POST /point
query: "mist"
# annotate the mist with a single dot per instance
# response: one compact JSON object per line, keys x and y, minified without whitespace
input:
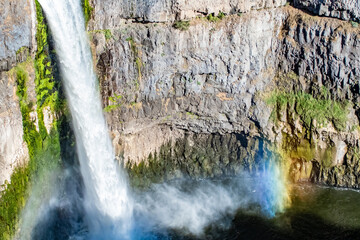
{"x":55,"y":210}
{"x":190,"y":206}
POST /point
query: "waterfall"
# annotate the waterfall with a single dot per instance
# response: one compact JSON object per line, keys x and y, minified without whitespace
{"x":106,"y":198}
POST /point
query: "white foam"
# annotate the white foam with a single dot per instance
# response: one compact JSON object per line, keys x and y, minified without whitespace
{"x":106,"y":194}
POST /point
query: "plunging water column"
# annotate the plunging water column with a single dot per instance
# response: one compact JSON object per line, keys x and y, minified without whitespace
{"x":106,"y":197}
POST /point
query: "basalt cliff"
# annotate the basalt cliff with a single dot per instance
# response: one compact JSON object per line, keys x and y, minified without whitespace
{"x":199,"y":88}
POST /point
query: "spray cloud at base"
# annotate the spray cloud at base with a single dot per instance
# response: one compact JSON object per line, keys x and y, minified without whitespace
{"x":193,"y":205}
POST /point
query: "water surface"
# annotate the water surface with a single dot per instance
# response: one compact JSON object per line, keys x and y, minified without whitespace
{"x":316,"y":212}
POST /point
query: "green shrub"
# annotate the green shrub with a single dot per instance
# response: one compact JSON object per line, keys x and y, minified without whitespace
{"x":87,"y":10}
{"x":212,"y":18}
{"x":108,"y":34}
{"x":182,"y":25}
{"x":116,"y":102}
{"x":221,"y":15}
{"x":354,"y":24}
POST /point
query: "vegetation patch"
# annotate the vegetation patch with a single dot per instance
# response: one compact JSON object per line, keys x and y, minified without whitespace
{"x":182,"y":25}
{"x":88,"y":10}
{"x":45,"y":84}
{"x":44,"y":147}
{"x":322,"y":108}
{"x":145,"y":173}
{"x":107,"y":33}
{"x":192,"y":115}
{"x":115,"y":102}
{"x":137,"y":61}
{"x":212,"y":18}
{"x":354,"y":24}
{"x":12,"y":200}
{"x":201,"y":156}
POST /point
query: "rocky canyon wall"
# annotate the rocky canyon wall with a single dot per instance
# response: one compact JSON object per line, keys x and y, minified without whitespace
{"x":217,"y":75}
{"x":170,"y":70}
{"x":341,"y":9}
{"x":109,"y":13}
{"x":17,"y":36}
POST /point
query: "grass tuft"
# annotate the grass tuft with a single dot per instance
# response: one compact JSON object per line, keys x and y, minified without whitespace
{"x":322,"y":109}
{"x":182,"y":25}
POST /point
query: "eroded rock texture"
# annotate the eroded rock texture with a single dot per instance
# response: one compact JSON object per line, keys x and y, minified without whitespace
{"x":323,"y":49}
{"x":16,"y":38}
{"x":109,"y":13}
{"x":342,"y":9}
{"x":202,"y":80}
{"x":16,"y":30}
{"x":160,"y":85}
{"x":215,"y":78}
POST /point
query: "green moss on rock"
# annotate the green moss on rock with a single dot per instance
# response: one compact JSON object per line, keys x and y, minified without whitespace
{"x":88,"y":10}
{"x":202,"y":156}
{"x":322,"y":108}
{"x":43,"y":146}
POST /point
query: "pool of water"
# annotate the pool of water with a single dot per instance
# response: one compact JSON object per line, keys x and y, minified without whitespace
{"x":316,"y":212}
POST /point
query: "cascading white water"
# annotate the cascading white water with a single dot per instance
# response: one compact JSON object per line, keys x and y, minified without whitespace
{"x":106,"y":188}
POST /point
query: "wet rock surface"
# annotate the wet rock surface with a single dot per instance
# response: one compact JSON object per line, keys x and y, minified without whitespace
{"x":203,"y":79}
{"x":201,"y":156}
{"x":13,"y":150}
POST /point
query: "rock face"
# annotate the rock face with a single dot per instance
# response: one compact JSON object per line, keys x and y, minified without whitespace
{"x":13,"y":150}
{"x":342,"y":9}
{"x":203,"y":156}
{"x":17,"y":29}
{"x":213,"y":78}
{"x":160,"y":85}
{"x":17,"y":34}
{"x":109,"y":13}
{"x":202,"y":80}
{"x":323,"y":49}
